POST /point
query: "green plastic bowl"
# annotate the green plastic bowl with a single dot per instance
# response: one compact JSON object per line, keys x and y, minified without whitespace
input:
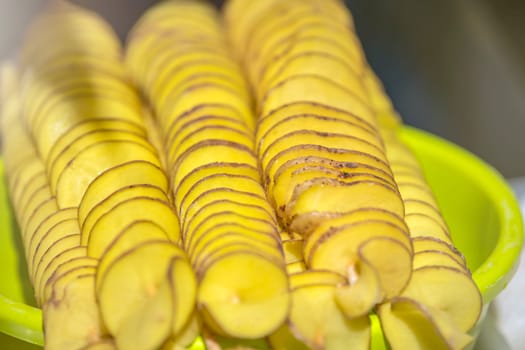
{"x":483,"y":215}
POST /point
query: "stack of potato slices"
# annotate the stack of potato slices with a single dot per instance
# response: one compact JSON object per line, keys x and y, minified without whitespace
{"x":178,"y":56}
{"x":441,"y":303}
{"x":255,"y":189}
{"x":323,"y":161}
{"x":94,"y":201}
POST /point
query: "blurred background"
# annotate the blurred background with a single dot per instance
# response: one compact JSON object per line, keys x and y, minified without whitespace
{"x":454,"y":68}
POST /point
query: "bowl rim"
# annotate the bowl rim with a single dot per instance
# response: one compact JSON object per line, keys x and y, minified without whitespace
{"x":24,"y":321}
{"x":17,"y":319}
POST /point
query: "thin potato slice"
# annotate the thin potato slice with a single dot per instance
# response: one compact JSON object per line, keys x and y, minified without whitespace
{"x":219,"y":193}
{"x":179,"y":123}
{"x":136,"y":233}
{"x":421,"y":225}
{"x":87,"y":126}
{"x":266,"y":242}
{"x":208,"y":134}
{"x":315,"y":89}
{"x":315,"y":151}
{"x":213,"y":182}
{"x":437,"y":258}
{"x":315,"y":37}
{"x":341,"y":248}
{"x":59,"y":231}
{"x":93,"y":160}
{"x":205,"y":153}
{"x":55,"y":249}
{"x":185,"y":185}
{"x":143,"y":317}
{"x":293,"y":250}
{"x":244,"y":304}
{"x":205,"y":121}
{"x":307,"y":208}
{"x":433,"y":243}
{"x":314,"y":62}
{"x":408,"y":324}
{"x":126,"y":212}
{"x":45,"y":271}
{"x":295,"y":267}
{"x":316,"y":277}
{"x":121,"y":176}
{"x":311,"y":108}
{"x":315,"y":319}
{"x":253,"y":211}
{"x":277,"y":125}
{"x":214,"y":94}
{"x":57,"y":165}
{"x":71,"y":320}
{"x":261,"y":232}
{"x":334,"y":140}
{"x":119,"y":196}
{"x":460,"y":299}
{"x":41,"y":211}
{"x":32,"y":239}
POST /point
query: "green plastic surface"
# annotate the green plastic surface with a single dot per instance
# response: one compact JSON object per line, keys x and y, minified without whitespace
{"x":481,"y":211}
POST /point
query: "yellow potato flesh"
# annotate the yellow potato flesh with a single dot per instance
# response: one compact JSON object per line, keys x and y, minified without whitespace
{"x":117,"y":197}
{"x":87,"y":126}
{"x":212,"y":152}
{"x":45,"y":271}
{"x":409,"y":324}
{"x":195,"y":176}
{"x":314,"y":89}
{"x":302,"y":152}
{"x":38,"y":214}
{"x":121,"y":176}
{"x":214,"y":94}
{"x":60,"y":163}
{"x":55,"y":249}
{"x":261,"y":231}
{"x":123,"y":214}
{"x":72,"y":321}
{"x":341,"y":198}
{"x":225,"y":205}
{"x":433,"y":243}
{"x":316,"y":319}
{"x":285,"y":187}
{"x":314,"y":62}
{"x":264,"y":123}
{"x":40,"y":244}
{"x":333,"y":140}
{"x":316,"y":277}
{"x":449,"y":290}
{"x":317,"y":36}
{"x":92,"y":161}
{"x":240,"y":303}
{"x":142,"y":317}
{"x":210,"y":133}
{"x":233,"y":184}
{"x":274,"y":128}
{"x":136,"y":233}
{"x":437,"y":258}
{"x":424,"y":226}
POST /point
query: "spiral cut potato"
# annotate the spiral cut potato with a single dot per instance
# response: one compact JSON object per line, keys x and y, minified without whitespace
{"x":323,"y":160}
{"x":63,"y":275}
{"x":441,"y":303}
{"x":177,"y":54}
{"x":100,"y":235}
